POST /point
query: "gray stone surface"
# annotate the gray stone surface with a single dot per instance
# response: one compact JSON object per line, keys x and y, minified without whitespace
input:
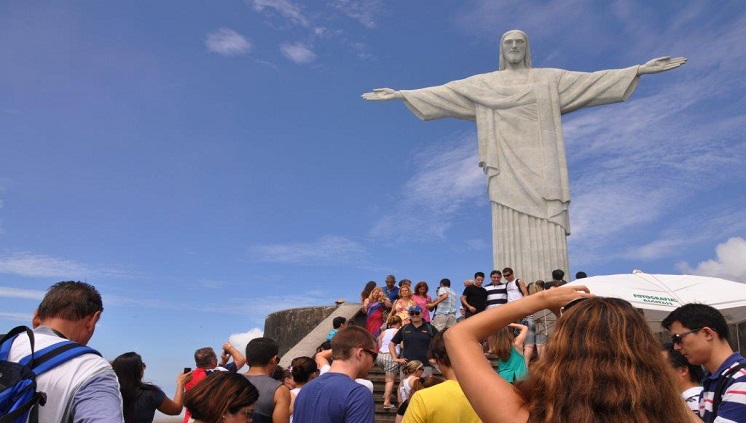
{"x":311,"y":339}
{"x":288,"y":327}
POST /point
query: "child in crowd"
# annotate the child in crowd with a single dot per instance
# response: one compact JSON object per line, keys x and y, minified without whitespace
{"x":338,"y":323}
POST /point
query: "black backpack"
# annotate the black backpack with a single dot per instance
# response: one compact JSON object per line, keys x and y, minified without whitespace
{"x":19,"y":399}
{"x":720,"y":387}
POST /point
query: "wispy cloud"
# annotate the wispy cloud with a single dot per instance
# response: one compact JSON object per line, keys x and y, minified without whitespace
{"x":730,"y":262}
{"x":227,"y":42}
{"x":328,"y":249}
{"x":298,"y":53}
{"x":27,"y":294}
{"x":446,"y":179}
{"x":364,"y":11}
{"x":18,"y":317}
{"x":38,"y":265}
{"x":284,"y":8}
{"x":320,"y":26}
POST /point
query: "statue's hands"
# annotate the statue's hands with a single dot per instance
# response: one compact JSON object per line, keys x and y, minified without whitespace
{"x":661,"y":64}
{"x":382,"y":94}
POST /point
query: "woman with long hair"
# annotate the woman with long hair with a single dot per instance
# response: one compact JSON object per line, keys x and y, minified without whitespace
{"x":401,"y":305}
{"x":140,"y":399}
{"x":410,"y":372}
{"x":601,"y":364}
{"x":373,"y":307}
{"x":303,"y":370}
{"x":222,"y":397}
{"x":423,"y":300}
{"x":385,"y":361}
{"x":509,"y":351}
{"x":366,"y":291}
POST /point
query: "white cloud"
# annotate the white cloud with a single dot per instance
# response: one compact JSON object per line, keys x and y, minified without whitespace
{"x":446,"y":179}
{"x":298,"y":53}
{"x":284,"y":8}
{"x":227,"y":42}
{"x":28,"y":294}
{"x":363,"y":11}
{"x":730,"y":262}
{"x":240,"y":340}
{"x":38,"y":265}
{"x":328,"y":249}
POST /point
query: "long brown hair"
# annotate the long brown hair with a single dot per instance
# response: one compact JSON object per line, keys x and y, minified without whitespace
{"x":501,"y":343}
{"x":602,"y":364}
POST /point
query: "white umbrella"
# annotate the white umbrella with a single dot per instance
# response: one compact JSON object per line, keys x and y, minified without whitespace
{"x":658,"y":295}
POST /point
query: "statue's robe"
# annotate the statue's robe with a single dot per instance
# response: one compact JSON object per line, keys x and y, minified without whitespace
{"x":522,"y":152}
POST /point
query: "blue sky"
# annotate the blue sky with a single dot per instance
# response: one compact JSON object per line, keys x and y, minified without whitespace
{"x":205,"y":164}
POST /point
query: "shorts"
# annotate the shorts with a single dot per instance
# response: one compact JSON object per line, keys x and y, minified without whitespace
{"x":533,"y":338}
{"x":387,"y":363}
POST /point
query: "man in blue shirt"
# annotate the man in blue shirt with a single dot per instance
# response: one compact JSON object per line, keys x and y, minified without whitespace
{"x":390,"y":288}
{"x":699,"y":332}
{"x":335,"y":397}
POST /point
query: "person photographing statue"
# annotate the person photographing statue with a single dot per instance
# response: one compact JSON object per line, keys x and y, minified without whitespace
{"x":518,"y":112}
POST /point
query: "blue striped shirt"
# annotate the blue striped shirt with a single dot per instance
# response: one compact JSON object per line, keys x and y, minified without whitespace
{"x":732,"y":409}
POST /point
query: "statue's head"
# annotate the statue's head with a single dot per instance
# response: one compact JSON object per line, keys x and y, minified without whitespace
{"x":515,"y":49}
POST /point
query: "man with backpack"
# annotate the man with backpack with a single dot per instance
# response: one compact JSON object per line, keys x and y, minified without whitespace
{"x":83,"y":388}
{"x":699,"y":332}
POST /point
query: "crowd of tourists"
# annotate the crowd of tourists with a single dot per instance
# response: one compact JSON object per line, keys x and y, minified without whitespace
{"x":600,"y":363}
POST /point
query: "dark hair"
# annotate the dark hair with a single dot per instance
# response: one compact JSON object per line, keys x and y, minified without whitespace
{"x":495,"y":272}
{"x":419,"y":285}
{"x":366,"y":291}
{"x":476,"y":275}
{"x":70,"y":300}
{"x":302,"y":368}
{"x":581,"y":275}
{"x":338,"y":321}
{"x":445,"y":282}
{"x":390,"y":277}
{"x":129,"y":370}
{"x":678,"y":361}
{"x":259,"y":351}
{"x":203,"y":357}
{"x":278,"y":373}
{"x":437,"y":350}
{"x":508,"y":269}
{"x":351,"y":337}
{"x":404,"y":282}
{"x":218,"y":393}
{"x":558,"y":274}
{"x":694,"y":316}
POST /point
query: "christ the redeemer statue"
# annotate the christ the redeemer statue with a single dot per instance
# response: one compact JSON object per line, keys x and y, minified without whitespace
{"x":518,"y":113}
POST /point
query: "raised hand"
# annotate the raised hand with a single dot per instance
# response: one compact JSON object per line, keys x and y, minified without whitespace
{"x":661,"y":64}
{"x":382,"y":94}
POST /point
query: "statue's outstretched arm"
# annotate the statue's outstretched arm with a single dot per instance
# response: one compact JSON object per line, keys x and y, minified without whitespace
{"x":382,"y":94}
{"x":661,"y":64}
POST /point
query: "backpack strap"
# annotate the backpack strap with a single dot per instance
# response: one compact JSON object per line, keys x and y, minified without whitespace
{"x":54,"y":355}
{"x":8,"y":339}
{"x":720,"y":386}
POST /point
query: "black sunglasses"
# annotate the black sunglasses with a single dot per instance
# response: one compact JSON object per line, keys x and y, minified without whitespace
{"x":567,"y":306}
{"x":372,"y":354}
{"x":414,"y":313}
{"x":677,"y":338}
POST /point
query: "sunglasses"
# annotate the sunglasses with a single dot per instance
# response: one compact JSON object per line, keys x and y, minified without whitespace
{"x":414,"y":313}
{"x":567,"y":306}
{"x":507,"y":274}
{"x":372,"y":354}
{"x":677,"y":338}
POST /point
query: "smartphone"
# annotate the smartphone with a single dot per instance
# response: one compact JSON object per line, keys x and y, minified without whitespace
{"x":187,"y":369}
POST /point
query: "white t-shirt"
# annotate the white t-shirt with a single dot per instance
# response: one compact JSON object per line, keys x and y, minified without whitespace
{"x":691,"y":396}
